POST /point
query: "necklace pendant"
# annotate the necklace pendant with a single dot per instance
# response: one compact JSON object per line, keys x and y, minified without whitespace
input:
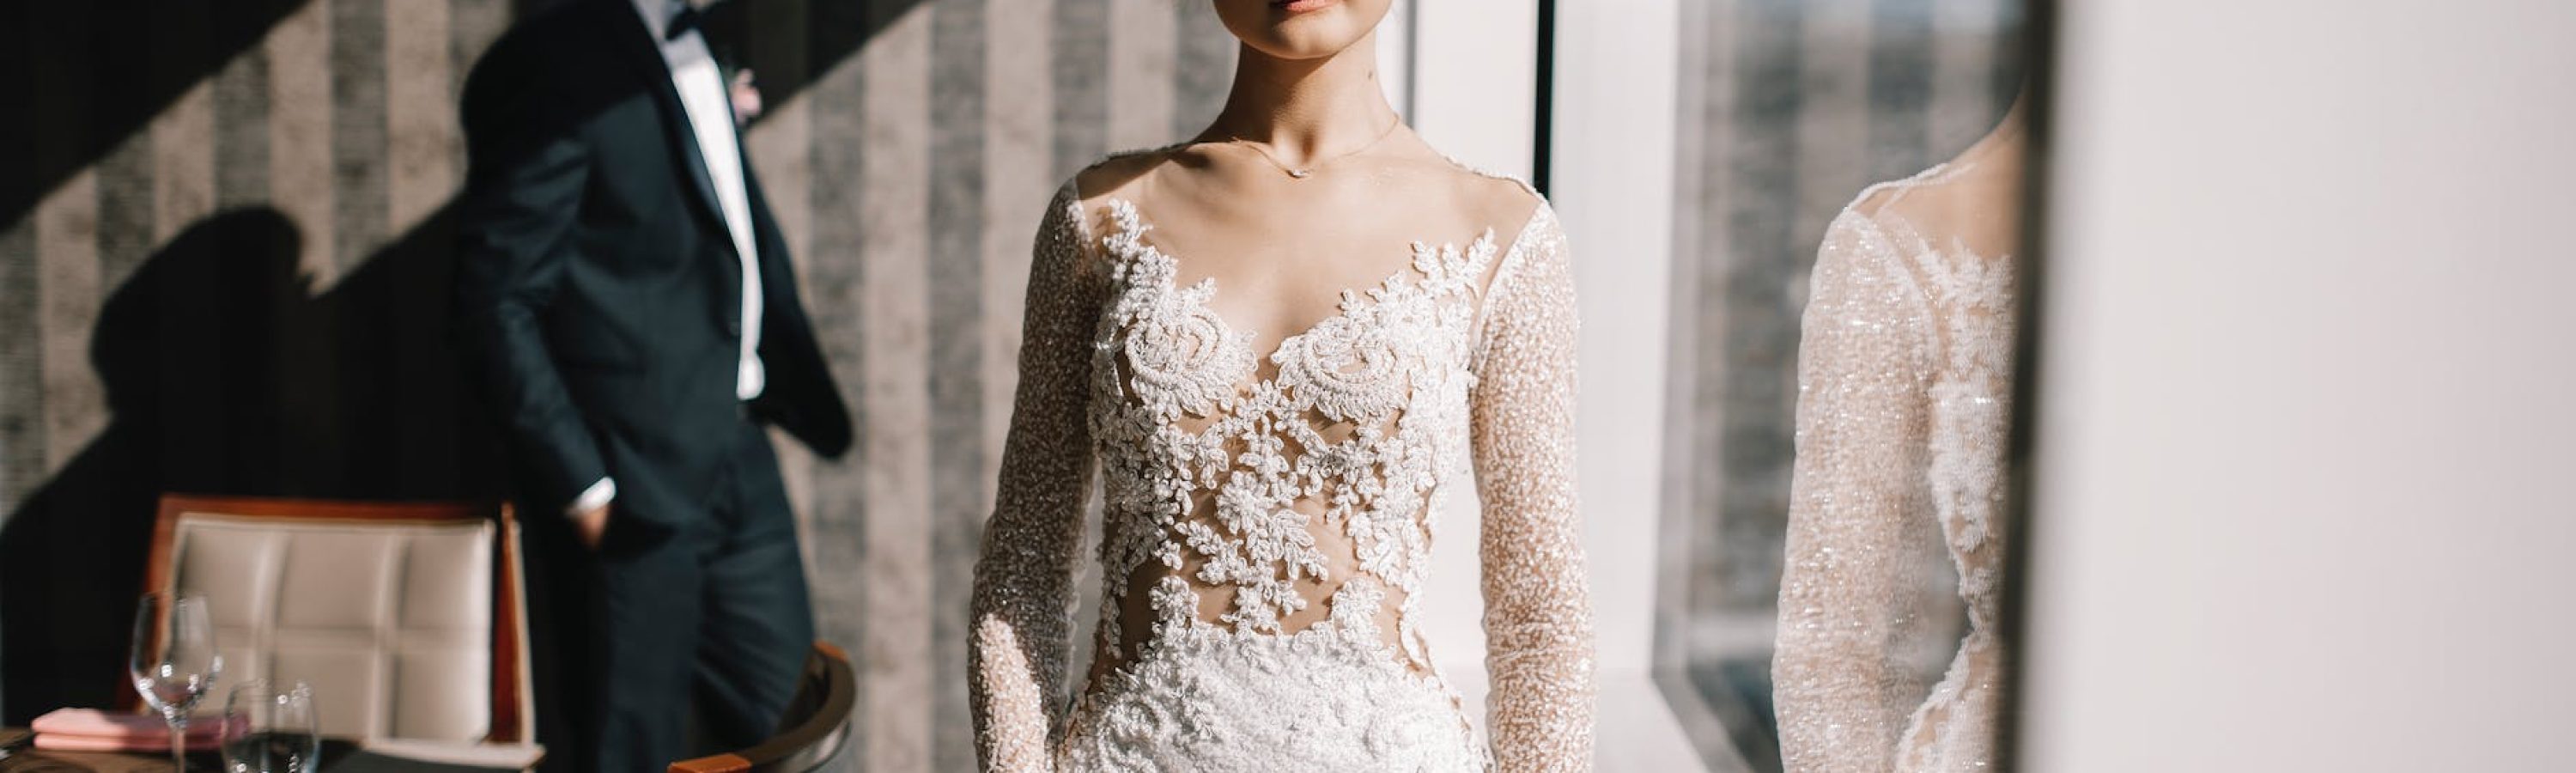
{"x":1301,"y":173}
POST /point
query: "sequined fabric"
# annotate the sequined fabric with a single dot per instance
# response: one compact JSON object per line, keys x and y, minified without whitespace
{"x":1274,"y":530}
{"x":1904,"y":373}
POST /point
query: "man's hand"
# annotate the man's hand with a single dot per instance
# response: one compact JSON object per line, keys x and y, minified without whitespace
{"x":590,"y":525}
{"x":746,"y":99}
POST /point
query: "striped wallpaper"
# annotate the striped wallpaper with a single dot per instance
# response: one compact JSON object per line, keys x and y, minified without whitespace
{"x":224,"y":265}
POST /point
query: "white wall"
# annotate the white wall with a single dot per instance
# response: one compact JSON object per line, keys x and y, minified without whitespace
{"x":1474,"y":63}
{"x":2303,"y":467}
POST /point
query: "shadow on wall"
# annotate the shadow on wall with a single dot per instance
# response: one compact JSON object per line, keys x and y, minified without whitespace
{"x":224,"y":371}
{"x":225,"y":374}
{"x":134,"y":60}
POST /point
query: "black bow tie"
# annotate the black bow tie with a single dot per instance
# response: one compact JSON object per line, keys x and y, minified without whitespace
{"x":683,"y":21}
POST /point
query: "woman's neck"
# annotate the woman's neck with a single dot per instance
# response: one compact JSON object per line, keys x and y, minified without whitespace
{"x":1306,"y":108}
{"x":2002,"y":147}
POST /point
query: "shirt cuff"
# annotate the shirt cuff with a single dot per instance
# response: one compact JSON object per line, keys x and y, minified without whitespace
{"x":593,"y":498}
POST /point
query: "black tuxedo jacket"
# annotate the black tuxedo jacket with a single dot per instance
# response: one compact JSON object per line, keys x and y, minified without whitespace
{"x":598,"y":293}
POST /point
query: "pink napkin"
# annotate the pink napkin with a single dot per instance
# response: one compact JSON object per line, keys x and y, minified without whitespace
{"x":92,"y":730}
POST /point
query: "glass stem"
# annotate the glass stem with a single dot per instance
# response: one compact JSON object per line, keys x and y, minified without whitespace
{"x":179,"y":742}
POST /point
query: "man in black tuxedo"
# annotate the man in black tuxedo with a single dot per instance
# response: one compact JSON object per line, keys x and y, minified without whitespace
{"x":625,"y":296}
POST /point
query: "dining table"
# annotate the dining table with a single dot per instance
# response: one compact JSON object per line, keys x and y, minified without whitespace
{"x":338,"y":756}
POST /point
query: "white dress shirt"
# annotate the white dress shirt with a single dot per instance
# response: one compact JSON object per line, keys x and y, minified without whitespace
{"x":702,"y":94}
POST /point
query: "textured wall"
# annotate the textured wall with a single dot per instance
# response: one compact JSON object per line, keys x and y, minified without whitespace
{"x":1788,"y":108}
{"x":224,"y":257}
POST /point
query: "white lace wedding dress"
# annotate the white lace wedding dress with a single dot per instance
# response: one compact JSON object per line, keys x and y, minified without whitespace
{"x":1904,"y":376}
{"x":1264,"y":537}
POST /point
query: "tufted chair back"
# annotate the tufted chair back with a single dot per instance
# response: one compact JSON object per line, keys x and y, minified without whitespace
{"x":406,"y":618}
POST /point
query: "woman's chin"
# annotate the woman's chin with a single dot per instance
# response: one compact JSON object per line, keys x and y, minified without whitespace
{"x":1301,"y":29}
{"x":1299,"y":51}
{"x":1297,"y":40}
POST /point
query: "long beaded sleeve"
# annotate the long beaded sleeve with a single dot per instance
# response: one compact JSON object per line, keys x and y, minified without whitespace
{"x":1860,"y":513}
{"x":1024,"y":580}
{"x":1538,"y":617}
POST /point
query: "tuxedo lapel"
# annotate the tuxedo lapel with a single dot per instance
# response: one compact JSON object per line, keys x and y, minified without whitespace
{"x":638,"y":48}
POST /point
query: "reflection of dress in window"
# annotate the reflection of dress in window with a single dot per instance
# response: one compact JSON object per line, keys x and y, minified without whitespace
{"x":1904,"y":374}
{"x":1268,"y":516}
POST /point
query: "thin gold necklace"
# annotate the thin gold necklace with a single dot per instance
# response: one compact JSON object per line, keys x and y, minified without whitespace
{"x":1300,"y":173}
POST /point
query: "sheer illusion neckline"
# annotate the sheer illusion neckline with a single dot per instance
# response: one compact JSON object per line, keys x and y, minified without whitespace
{"x":1129,"y":222}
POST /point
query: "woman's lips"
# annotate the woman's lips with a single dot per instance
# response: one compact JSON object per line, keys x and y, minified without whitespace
{"x":1303,"y":6}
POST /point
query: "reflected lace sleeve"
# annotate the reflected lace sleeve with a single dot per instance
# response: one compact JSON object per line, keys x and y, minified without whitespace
{"x":1859,"y":512}
{"x":1022,"y":597}
{"x":1538,"y":617}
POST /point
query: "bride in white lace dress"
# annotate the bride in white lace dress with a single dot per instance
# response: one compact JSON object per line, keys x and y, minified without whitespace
{"x":1283,"y":345}
{"x":1904,"y":379}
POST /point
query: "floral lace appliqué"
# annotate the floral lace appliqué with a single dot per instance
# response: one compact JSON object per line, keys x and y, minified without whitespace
{"x":1388,"y":368}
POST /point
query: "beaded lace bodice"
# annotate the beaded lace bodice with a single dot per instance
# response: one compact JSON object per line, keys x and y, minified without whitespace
{"x":1268,"y":517}
{"x":1904,"y":377}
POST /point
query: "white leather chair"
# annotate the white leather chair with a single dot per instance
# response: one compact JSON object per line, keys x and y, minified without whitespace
{"x":407,"y":619}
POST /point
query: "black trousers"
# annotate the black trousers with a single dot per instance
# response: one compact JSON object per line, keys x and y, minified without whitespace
{"x":654,"y":635}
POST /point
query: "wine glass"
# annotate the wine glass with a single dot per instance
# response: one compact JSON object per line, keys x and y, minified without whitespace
{"x":271,"y":728}
{"x":174,"y":663}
